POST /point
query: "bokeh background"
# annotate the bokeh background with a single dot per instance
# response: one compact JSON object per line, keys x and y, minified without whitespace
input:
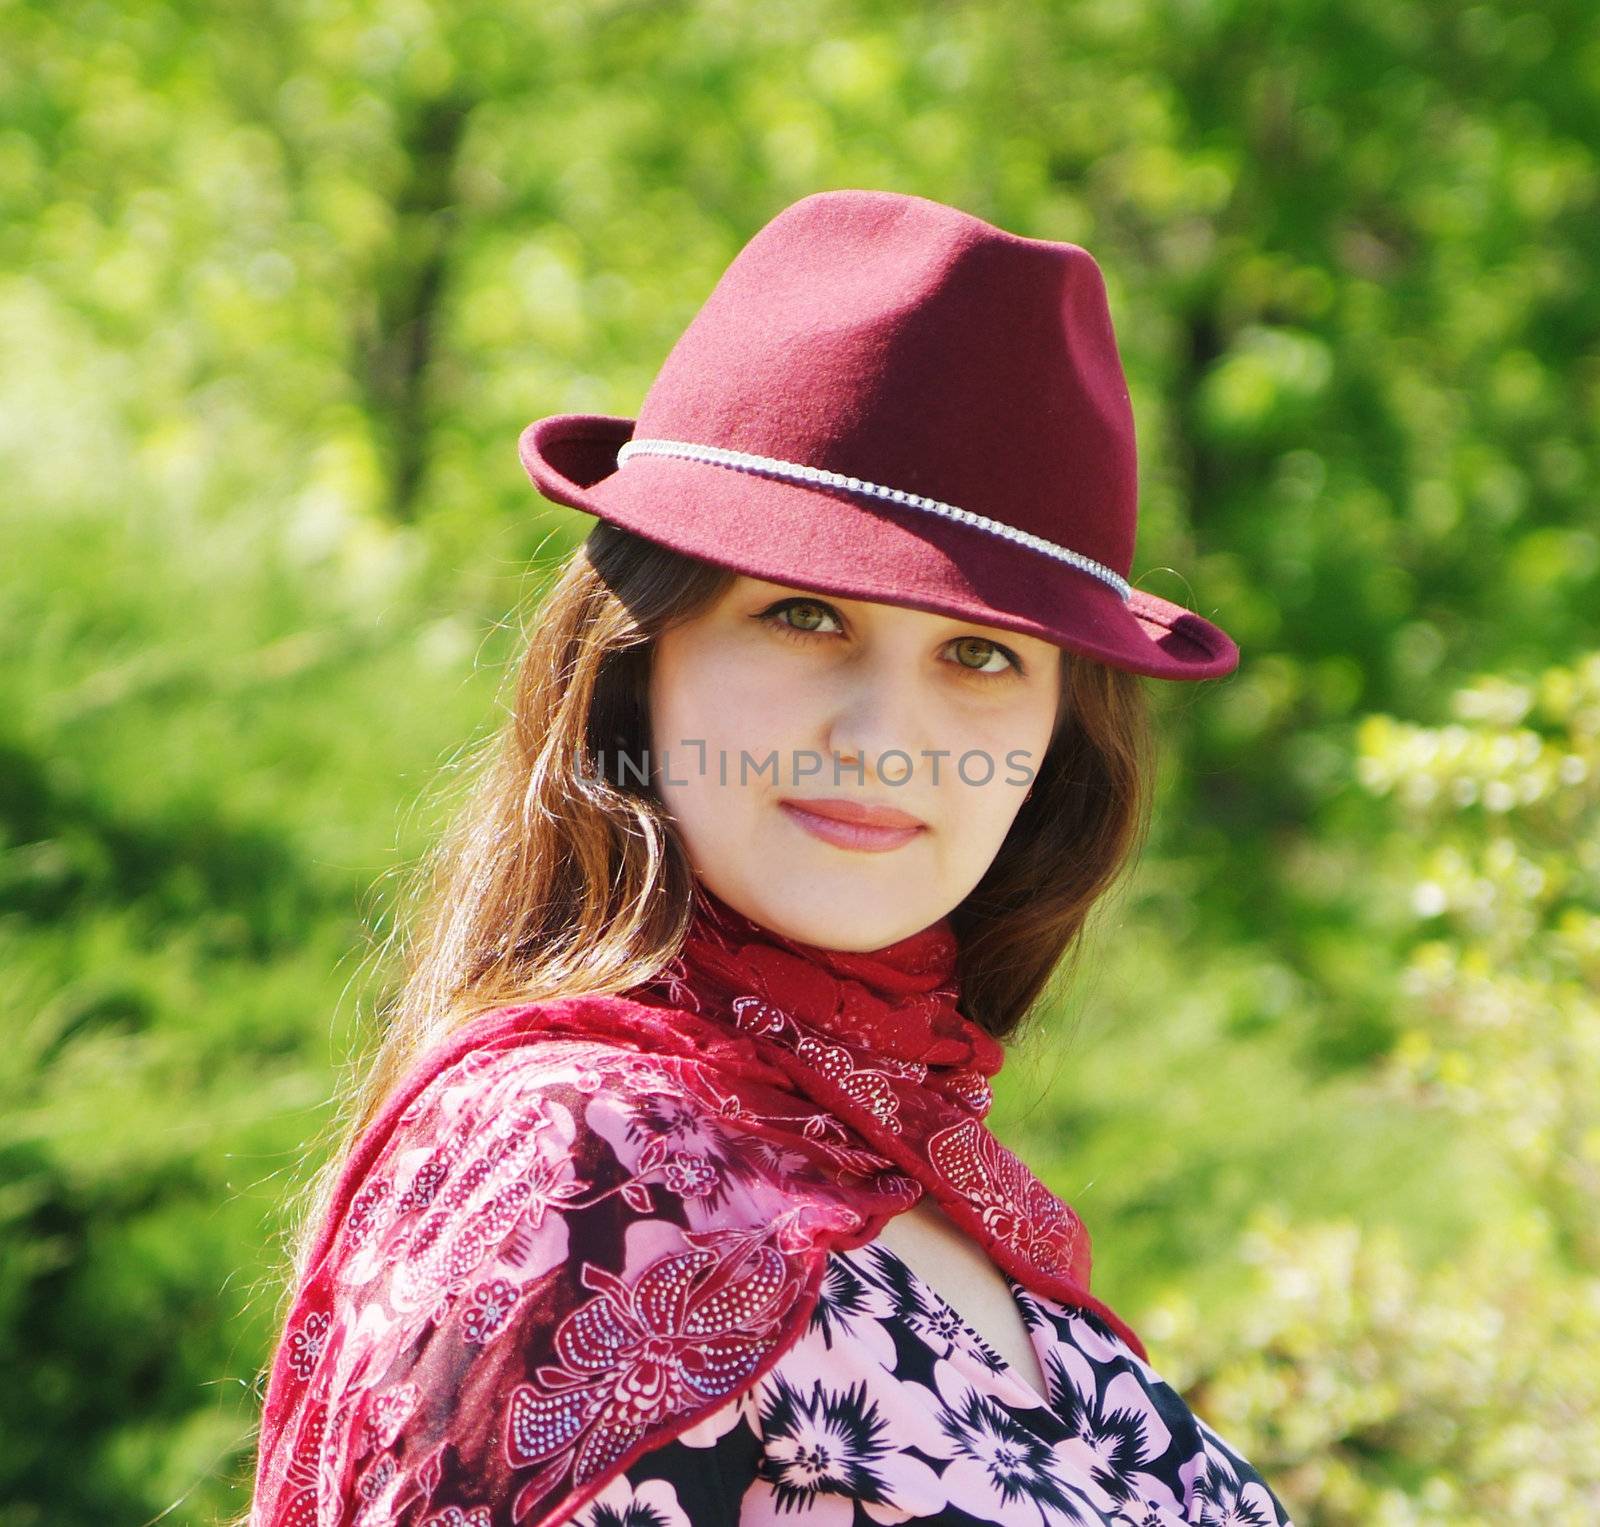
{"x":280,"y":282}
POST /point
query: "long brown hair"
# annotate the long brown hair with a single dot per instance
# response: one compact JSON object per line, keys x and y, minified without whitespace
{"x":560,"y":875}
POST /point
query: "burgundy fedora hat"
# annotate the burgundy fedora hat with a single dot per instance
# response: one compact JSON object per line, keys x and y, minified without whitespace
{"x":886,"y":398}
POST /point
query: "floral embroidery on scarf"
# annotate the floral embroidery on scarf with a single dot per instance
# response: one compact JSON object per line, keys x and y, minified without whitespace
{"x":688,"y":1331}
{"x":1017,"y":1209}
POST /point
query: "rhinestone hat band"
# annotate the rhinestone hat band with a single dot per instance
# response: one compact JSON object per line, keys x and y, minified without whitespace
{"x":770,"y":466}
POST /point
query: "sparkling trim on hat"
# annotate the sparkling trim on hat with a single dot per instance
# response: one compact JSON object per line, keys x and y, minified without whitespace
{"x":744,"y":461}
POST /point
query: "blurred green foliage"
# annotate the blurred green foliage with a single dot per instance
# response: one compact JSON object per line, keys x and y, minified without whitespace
{"x":279,"y":285}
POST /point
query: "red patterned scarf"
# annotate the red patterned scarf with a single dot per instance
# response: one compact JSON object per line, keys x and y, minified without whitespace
{"x":879,"y":1040}
{"x":580,"y":1225}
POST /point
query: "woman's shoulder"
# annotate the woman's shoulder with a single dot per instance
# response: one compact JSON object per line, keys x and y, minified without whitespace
{"x":547,"y":1117}
{"x":531,"y":1218}
{"x":492,"y":1071}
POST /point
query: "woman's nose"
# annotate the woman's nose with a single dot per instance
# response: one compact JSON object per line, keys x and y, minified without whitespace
{"x":878,"y":724}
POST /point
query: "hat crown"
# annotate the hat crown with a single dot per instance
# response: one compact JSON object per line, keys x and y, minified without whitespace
{"x":905,"y":342}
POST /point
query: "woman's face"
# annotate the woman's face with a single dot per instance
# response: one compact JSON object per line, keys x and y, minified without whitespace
{"x":774,"y":699}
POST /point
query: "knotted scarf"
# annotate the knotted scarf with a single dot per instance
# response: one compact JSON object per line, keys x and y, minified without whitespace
{"x":579,"y":1226}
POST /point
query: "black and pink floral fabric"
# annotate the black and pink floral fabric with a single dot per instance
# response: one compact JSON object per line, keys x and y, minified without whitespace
{"x":892,"y":1409}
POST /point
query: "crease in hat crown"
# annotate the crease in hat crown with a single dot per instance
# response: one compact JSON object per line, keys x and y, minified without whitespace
{"x":796,"y":471}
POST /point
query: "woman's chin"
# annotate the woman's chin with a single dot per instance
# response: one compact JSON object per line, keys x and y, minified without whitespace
{"x":833,"y":913}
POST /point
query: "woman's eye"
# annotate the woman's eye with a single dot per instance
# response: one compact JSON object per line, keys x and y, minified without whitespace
{"x":976,"y":655}
{"x":809,"y":610}
{"x":967,"y":646}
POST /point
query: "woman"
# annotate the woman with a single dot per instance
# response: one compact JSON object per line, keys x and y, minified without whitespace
{"x":669,"y":1198}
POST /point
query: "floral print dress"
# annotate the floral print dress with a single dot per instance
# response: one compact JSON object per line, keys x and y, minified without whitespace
{"x":891,"y":1408}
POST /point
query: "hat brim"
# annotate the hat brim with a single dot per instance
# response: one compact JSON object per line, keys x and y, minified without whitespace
{"x":769,"y":528}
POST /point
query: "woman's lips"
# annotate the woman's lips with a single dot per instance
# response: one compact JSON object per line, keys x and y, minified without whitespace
{"x":865,"y":836}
